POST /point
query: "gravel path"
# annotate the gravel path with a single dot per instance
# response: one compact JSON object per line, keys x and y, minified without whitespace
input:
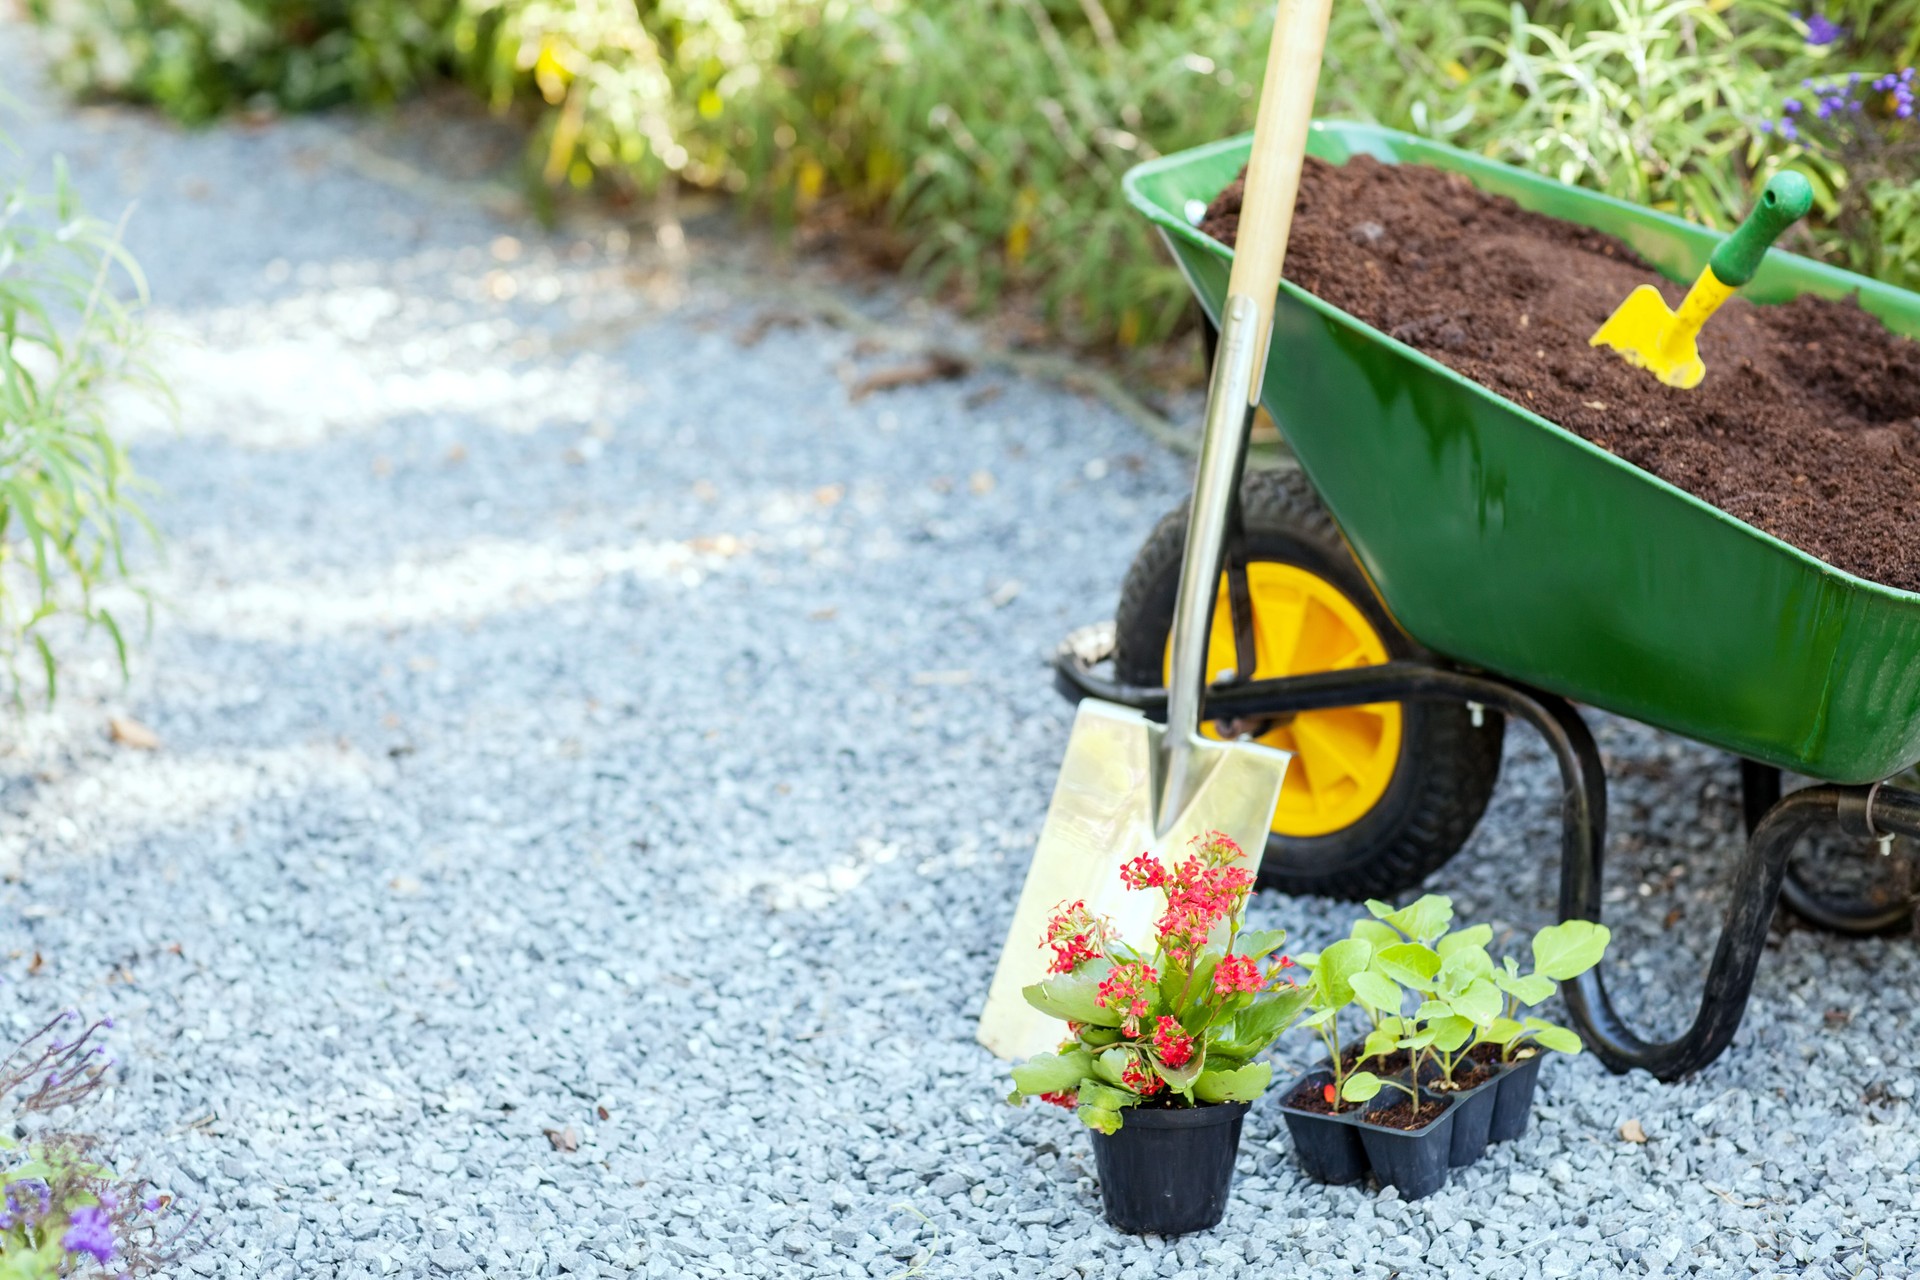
{"x":579,"y":715}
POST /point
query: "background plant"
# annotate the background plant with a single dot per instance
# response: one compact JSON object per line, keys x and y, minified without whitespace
{"x":63,"y":1211}
{"x":68,"y":335}
{"x":1181,"y":1022}
{"x":985,"y":138}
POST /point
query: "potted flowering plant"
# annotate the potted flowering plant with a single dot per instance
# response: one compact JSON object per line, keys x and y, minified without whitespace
{"x":1445,"y":1080}
{"x":1158,"y":1058}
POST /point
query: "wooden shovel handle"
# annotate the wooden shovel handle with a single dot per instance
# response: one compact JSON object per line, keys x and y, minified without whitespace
{"x":1273,"y":169}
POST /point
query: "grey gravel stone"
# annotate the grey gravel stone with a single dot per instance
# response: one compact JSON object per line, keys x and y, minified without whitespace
{"x":571,"y":700}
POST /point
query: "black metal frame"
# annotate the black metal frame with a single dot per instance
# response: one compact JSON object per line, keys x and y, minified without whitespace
{"x":1775,"y":825}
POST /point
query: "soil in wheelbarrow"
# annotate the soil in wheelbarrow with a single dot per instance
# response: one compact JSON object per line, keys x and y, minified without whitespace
{"x":1808,"y":423}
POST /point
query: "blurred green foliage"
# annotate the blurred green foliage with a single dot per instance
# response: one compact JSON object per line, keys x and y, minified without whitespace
{"x":990,"y":134}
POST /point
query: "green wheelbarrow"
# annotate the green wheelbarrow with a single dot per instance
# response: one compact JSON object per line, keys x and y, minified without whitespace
{"x":1444,"y":558}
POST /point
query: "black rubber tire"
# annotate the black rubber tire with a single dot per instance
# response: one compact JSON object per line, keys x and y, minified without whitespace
{"x":1447,"y":768}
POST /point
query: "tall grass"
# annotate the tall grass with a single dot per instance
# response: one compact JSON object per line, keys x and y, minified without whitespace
{"x":989,"y":135}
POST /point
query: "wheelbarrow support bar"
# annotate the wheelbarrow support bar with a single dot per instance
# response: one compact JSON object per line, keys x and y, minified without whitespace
{"x":1877,"y":811}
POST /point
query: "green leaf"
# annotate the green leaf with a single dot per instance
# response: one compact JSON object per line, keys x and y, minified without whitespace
{"x":1480,"y":1002}
{"x":1550,"y":1036}
{"x":1258,"y":944}
{"x":1100,"y":1118}
{"x":1411,"y":964}
{"x":1097,"y":1037}
{"x":1307,"y":959}
{"x":1381,"y":1042}
{"x":1095,"y":1094}
{"x":1053,"y":1072}
{"x":1449,"y":1034}
{"x":1320,"y":1017}
{"x":1073,"y":997}
{"x":1502,"y":1032}
{"x":1530,"y":989}
{"x":1111,"y":1064}
{"x":1376,"y":992}
{"x":1241,"y":1085}
{"x":1373,"y":933}
{"x":1423,"y":919}
{"x":1477,"y":936}
{"x":1260,"y":1024}
{"x":1361,"y":1086}
{"x":1462,"y":969}
{"x":1431,"y":1009}
{"x":1570,"y":948}
{"x":1333,"y":976}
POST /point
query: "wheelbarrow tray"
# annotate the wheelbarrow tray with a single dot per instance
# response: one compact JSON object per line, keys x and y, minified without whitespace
{"x":1501,"y":541}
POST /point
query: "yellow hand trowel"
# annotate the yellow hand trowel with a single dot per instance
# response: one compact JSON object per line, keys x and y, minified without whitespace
{"x":1650,"y":337}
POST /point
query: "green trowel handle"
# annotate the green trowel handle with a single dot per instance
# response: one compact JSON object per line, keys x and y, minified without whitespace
{"x":1785,"y":201}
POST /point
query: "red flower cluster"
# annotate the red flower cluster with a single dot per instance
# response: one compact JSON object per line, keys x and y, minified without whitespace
{"x":1076,"y":936}
{"x":1142,"y":1081}
{"x":1124,"y":991}
{"x":1173,"y":1044}
{"x":1200,"y":896}
{"x":1068,"y":1098}
{"x":1144,"y":872}
{"x":1236,"y":974}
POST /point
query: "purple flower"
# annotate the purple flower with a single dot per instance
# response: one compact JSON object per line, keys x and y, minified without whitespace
{"x":152,"y":1203}
{"x":89,"y":1231}
{"x":1823,"y":31}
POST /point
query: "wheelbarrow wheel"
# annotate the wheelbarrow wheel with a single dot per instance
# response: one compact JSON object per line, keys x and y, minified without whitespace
{"x":1377,"y":797}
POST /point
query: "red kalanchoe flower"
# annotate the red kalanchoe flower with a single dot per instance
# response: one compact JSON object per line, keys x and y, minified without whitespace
{"x":1144,"y":872}
{"x":1124,"y":991}
{"x":1141,"y":1080}
{"x":1172,"y":1043}
{"x":1068,"y":1098}
{"x":1076,"y":936}
{"x":1237,"y":974}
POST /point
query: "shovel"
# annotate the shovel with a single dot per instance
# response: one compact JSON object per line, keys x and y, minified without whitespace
{"x":1129,"y":785}
{"x":1650,"y":337}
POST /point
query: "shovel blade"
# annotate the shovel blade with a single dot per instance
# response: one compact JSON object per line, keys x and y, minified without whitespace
{"x":1102,"y":815}
{"x":1643,"y":330}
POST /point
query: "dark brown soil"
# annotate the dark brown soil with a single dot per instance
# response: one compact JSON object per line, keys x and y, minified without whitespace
{"x":1401,"y":1115}
{"x":1312,"y":1097}
{"x":1808,"y":422}
{"x":1464,"y":1078}
{"x":1488,"y":1054}
{"x":1392,"y":1064}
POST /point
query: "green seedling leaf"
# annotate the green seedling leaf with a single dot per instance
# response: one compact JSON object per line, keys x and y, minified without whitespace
{"x":1376,"y":992}
{"x":1528,"y":989}
{"x":1333,"y":979}
{"x":1423,"y":1038}
{"x":1361,"y":1086}
{"x":1100,"y":1118}
{"x":1319,"y":1017}
{"x":1502,"y":1032}
{"x":1462,"y":969}
{"x":1449,"y":1034}
{"x":1570,"y":948}
{"x":1423,"y":919}
{"x":1411,"y":964}
{"x":1373,"y":933}
{"x":1480,"y":1002}
{"x":1074,"y":997}
{"x":1381,"y":1042}
{"x":1243,"y":1084}
{"x":1258,"y":944}
{"x":1053,"y":1072}
{"x":1431,"y":1009}
{"x":1550,"y":1036}
{"x":1478,"y":936}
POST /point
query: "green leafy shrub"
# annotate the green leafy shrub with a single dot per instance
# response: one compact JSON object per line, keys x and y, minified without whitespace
{"x":67,"y":337}
{"x":989,"y":136}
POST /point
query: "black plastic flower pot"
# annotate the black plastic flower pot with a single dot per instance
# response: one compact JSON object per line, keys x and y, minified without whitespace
{"x":1414,"y":1160}
{"x":1473,"y":1119}
{"x":1328,"y":1145}
{"x":1167,"y":1170}
{"x":1514,"y":1105}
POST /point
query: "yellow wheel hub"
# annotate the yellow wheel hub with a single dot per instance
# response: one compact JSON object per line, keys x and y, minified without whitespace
{"x":1344,"y":757}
